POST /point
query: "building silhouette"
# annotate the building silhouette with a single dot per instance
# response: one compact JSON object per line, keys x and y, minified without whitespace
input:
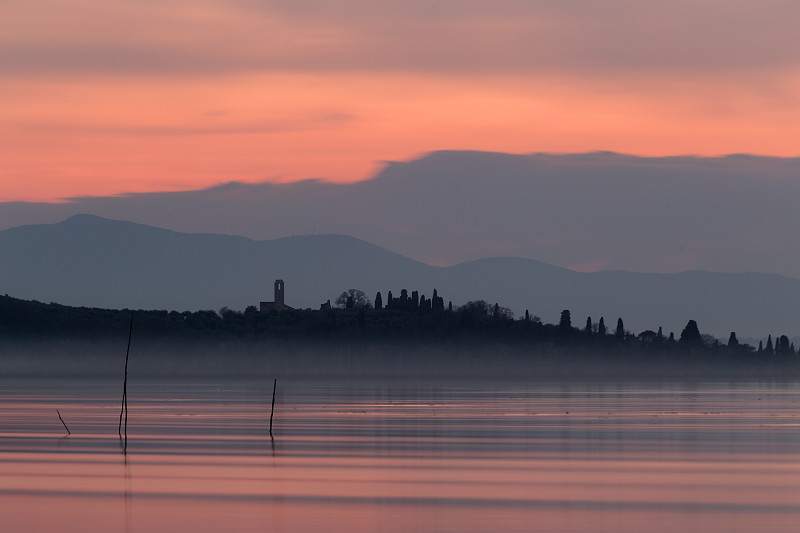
{"x":279,"y":304}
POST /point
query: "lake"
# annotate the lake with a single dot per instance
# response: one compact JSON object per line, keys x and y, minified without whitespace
{"x":400,"y":456}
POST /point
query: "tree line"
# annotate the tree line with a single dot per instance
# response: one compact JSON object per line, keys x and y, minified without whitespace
{"x":407,"y":317}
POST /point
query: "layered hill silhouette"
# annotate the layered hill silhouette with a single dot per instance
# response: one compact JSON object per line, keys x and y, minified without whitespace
{"x":595,"y":211}
{"x":91,"y":261}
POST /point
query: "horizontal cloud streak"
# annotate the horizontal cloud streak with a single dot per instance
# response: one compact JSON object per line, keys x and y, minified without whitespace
{"x":237,"y":128}
{"x":523,"y":38}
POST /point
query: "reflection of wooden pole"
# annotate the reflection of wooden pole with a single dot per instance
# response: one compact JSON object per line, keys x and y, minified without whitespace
{"x":65,"y":424}
{"x":274,"y":387}
{"x":124,"y":408}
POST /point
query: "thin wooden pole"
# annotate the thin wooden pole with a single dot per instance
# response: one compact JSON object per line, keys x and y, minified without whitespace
{"x":272,"y":413}
{"x":124,"y":408}
{"x":65,"y":424}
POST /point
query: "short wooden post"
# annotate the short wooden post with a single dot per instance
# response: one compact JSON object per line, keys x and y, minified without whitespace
{"x":272,"y":413}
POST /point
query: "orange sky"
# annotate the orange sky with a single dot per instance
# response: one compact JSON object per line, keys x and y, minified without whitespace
{"x":104,"y":97}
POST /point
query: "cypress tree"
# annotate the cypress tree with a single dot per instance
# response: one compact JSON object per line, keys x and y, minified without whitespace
{"x":768,"y":348}
{"x":620,"y":333}
{"x":378,"y":301}
{"x":732,"y":340}
{"x":437,"y":302}
{"x":782,"y":346}
{"x":691,"y":333}
{"x":601,"y":327}
{"x":566,"y":320}
{"x":588,"y":329}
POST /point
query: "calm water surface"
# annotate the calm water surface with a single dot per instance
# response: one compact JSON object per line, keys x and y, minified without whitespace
{"x":403,"y":457}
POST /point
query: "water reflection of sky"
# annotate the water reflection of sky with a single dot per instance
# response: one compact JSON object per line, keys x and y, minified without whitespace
{"x":399,"y":457}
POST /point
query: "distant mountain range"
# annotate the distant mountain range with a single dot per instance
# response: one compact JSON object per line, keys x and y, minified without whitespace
{"x":587,"y":212}
{"x":91,"y":261}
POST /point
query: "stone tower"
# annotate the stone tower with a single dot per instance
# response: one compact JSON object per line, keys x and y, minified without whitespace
{"x":279,"y":305}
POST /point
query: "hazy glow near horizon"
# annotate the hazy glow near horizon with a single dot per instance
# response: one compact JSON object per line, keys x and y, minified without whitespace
{"x":100,"y":98}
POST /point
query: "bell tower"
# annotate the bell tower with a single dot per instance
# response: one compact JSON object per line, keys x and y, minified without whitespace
{"x":279,"y":305}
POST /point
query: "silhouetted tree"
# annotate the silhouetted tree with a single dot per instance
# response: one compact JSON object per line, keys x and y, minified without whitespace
{"x":732,"y":340}
{"x":425,"y":305}
{"x":620,"y":332}
{"x":782,"y":346}
{"x":437,"y":302}
{"x":226,"y":312}
{"x":353,"y":299}
{"x":648,"y":336}
{"x":414,"y":300}
{"x":378,"y":301}
{"x":768,"y":348}
{"x":389,"y":300}
{"x":498,"y":312}
{"x":709,"y":340}
{"x":404,"y":301}
{"x":475,"y":308}
{"x":566,"y":320}
{"x":601,"y":327}
{"x":588,"y":328}
{"x":691,"y":333}
{"x":660,"y":335}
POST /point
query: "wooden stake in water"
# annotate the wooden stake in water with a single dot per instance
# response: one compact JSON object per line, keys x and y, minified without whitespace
{"x":124,"y":408}
{"x":65,"y":424}
{"x":274,"y":387}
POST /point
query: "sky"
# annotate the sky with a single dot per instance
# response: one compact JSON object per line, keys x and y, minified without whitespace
{"x":102,"y":97}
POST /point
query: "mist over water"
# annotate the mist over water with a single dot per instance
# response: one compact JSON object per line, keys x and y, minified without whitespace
{"x":470,"y":359}
{"x":407,"y":454}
